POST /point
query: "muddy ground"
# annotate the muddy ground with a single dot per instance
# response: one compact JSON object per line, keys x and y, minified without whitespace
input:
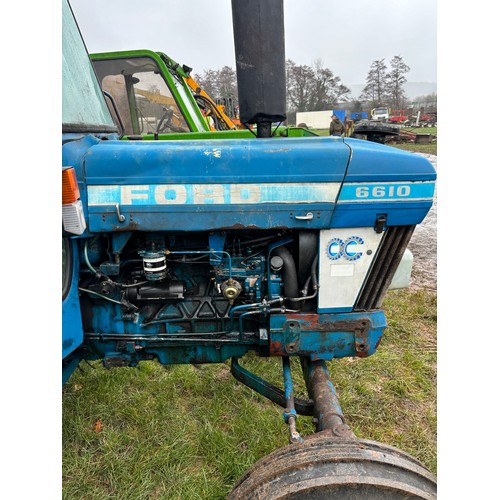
{"x":423,"y":245}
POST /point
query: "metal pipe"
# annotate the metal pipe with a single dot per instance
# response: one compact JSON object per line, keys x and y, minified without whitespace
{"x":281,"y":310}
{"x":290,"y":414}
{"x":204,"y":252}
{"x":327,"y":411}
{"x":263,"y":129}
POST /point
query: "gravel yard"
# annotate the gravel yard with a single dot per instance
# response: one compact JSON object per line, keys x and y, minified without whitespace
{"x":423,"y":246}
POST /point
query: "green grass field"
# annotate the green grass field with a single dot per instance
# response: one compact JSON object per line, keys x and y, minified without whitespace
{"x":189,"y":432}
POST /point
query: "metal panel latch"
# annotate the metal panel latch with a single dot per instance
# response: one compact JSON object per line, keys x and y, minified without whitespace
{"x":308,"y":216}
{"x":120,"y":216}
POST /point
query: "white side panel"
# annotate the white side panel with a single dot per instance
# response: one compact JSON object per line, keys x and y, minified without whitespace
{"x":345,"y":255}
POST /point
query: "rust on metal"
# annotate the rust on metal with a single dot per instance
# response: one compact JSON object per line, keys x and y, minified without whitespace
{"x":309,"y":335}
{"x":327,"y":411}
{"x":312,"y":322}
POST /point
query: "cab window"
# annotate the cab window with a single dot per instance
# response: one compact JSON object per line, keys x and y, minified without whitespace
{"x":143,"y":99}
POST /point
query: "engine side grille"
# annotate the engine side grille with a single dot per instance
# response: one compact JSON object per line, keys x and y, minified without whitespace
{"x":384,"y":267}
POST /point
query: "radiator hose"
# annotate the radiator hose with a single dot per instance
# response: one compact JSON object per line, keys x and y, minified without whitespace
{"x":290,"y":280}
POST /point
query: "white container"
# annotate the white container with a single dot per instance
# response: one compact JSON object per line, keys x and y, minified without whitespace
{"x":403,"y":273}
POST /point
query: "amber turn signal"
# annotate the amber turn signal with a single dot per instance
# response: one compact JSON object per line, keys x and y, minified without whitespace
{"x":70,"y":191}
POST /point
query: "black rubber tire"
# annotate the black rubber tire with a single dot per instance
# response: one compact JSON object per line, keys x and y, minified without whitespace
{"x":332,"y":468}
{"x":373,"y":127}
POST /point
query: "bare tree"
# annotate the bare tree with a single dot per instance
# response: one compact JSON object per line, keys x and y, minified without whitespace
{"x":299,"y":79}
{"x":327,"y":88}
{"x":428,"y":102}
{"x":308,"y":88}
{"x":219,"y":84}
{"x":313,"y":89}
{"x":226,"y":83}
{"x":207,"y":81}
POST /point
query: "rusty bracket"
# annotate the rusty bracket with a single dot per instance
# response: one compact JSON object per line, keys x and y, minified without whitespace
{"x":292,"y":342}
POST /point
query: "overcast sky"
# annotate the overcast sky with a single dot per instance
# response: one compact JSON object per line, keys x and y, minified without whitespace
{"x":346,"y":35}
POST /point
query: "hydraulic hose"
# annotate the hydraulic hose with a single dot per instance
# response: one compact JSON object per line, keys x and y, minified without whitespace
{"x":313,"y":278}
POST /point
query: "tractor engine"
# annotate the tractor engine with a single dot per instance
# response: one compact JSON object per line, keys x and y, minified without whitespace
{"x":220,"y":294}
{"x":216,"y":288}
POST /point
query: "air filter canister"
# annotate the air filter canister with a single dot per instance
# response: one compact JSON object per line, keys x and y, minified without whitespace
{"x":155,"y":265}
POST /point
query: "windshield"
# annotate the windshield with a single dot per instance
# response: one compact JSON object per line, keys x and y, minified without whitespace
{"x":83,"y":105}
{"x":142,"y":96}
{"x":381,"y":111}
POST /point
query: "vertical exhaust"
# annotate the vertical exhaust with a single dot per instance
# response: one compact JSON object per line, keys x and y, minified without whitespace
{"x":259,"y":41}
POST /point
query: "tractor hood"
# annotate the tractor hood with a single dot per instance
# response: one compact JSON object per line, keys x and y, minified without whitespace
{"x":200,"y":185}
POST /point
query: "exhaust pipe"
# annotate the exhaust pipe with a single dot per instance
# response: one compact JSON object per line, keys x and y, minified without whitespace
{"x":259,"y":41}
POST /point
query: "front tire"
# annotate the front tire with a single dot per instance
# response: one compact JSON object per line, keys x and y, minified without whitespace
{"x":327,"y":467}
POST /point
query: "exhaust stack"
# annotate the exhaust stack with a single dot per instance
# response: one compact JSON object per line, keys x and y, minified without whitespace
{"x":259,"y":41}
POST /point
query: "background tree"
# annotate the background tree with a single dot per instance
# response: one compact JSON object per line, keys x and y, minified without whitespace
{"x":375,"y":88}
{"x":428,"y":102}
{"x":227,"y":83}
{"x":299,"y":80}
{"x":219,"y":83}
{"x":326,"y":88}
{"x":308,"y":88}
{"x":356,"y":105}
{"x":395,"y":83}
{"x":313,"y":88}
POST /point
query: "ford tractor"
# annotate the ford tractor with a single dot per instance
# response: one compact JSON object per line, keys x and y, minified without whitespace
{"x":199,"y":249}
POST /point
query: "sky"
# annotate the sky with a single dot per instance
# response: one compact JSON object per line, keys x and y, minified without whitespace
{"x":346,"y":36}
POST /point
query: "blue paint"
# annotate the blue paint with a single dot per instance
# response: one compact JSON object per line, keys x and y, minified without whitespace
{"x":216,"y":242}
{"x":288,"y":385}
{"x":379,"y":192}
{"x":160,"y":185}
{"x":287,"y":376}
{"x":365,"y":215}
{"x":324,"y":344}
{"x":72,"y":329}
{"x":209,"y":217}
{"x":373,"y":162}
{"x":68,"y":369}
{"x":247,"y":161}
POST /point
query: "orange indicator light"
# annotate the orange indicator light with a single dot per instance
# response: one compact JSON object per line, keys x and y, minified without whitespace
{"x":70,"y":191}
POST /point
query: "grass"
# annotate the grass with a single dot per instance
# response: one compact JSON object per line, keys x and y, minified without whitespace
{"x":430,"y":149}
{"x":188,"y":432}
{"x":417,"y":148}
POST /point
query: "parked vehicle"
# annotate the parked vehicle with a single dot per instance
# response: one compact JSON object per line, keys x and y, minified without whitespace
{"x":380,"y":114}
{"x":156,"y":98}
{"x":399,"y":116}
{"x":200,"y":250}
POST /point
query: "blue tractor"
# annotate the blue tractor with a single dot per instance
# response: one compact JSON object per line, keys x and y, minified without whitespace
{"x":203,"y":250}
